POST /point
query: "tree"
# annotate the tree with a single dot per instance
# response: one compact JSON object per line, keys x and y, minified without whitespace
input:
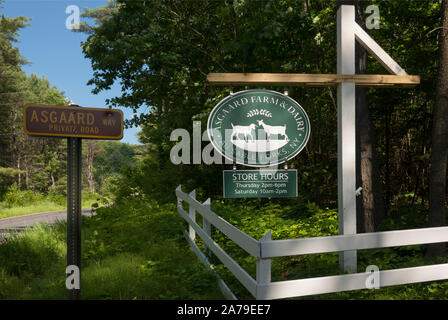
{"x":39,"y":160}
{"x":10,"y":78}
{"x":370,"y":206}
{"x":170,"y":47}
{"x":160,"y":53}
{"x":439,"y":154}
{"x":91,"y":150}
{"x":52,"y":166}
{"x":99,"y":16}
{"x":110,"y":160}
{"x":43,"y":159}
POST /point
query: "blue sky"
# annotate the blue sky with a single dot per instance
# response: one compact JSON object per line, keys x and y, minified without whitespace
{"x":54,"y":51}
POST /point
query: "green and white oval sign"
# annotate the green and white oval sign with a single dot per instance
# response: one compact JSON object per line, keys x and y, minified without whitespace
{"x":258,"y":128}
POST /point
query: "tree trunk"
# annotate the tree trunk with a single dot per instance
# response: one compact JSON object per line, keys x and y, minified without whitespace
{"x":15,"y":149}
{"x":437,"y":178}
{"x":370,"y":205}
{"x":388,"y":193}
{"x":90,"y":156}
{"x":27,"y":173}
{"x":102,"y":185}
{"x":53,"y":184}
{"x":19,"y":175}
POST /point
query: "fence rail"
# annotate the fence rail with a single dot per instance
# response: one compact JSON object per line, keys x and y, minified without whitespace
{"x":240,"y":238}
{"x":265,"y":249}
{"x":347,"y":282}
{"x":292,"y":247}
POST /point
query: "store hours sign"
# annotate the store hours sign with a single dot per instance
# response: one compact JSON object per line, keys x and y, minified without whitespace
{"x":259,"y":183}
{"x":258,"y":128}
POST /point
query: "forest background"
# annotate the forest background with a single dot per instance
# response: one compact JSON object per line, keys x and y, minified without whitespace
{"x":160,"y":53}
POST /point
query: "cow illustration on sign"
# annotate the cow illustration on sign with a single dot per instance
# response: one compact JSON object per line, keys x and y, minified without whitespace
{"x":244,"y":130}
{"x":245,"y":138}
{"x":270,"y":130}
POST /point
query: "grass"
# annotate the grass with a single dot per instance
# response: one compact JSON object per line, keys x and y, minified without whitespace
{"x":129,"y":251}
{"x":43,"y":205}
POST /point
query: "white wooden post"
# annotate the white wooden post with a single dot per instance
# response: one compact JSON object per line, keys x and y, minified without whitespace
{"x":192,"y":214}
{"x":179,"y":200}
{"x":346,"y":132}
{"x":206,"y":225}
{"x":375,"y":50}
{"x":263,"y":274}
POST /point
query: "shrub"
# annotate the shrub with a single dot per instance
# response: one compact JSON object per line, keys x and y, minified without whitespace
{"x":55,"y":196}
{"x":7,"y":176}
{"x":33,"y":252}
{"x":16,"y":197}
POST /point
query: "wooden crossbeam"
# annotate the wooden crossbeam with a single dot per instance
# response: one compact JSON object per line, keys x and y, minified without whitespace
{"x":377,"y":52}
{"x":313,"y":80}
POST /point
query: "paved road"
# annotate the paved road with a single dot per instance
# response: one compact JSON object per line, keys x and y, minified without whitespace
{"x":21,"y":222}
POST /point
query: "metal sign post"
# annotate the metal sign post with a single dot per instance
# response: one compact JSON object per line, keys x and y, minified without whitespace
{"x":74,"y":163}
{"x":73,"y":122}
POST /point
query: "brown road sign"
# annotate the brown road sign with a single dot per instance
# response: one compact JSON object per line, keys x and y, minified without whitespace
{"x":69,"y":121}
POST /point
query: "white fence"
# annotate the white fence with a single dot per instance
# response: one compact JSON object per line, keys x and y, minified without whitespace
{"x":265,"y":249}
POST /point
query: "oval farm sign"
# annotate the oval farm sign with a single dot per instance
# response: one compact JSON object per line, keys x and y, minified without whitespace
{"x":258,"y":128}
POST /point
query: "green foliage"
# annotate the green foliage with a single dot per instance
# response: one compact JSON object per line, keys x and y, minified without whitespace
{"x":55,"y":196}
{"x":130,"y":185}
{"x":7,"y":177}
{"x":160,"y":53}
{"x":21,"y":202}
{"x":134,"y":250}
{"x":115,"y":155}
{"x":170,"y":47}
{"x":406,"y":215}
{"x":99,"y":15}
{"x":111,"y":163}
{"x":40,"y":91}
{"x":37,"y":161}
{"x":32,"y":253}
{"x":19,"y":198}
{"x":16,"y":197}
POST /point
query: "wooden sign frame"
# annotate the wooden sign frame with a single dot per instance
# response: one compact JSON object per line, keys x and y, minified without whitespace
{"x":348,"y":32}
